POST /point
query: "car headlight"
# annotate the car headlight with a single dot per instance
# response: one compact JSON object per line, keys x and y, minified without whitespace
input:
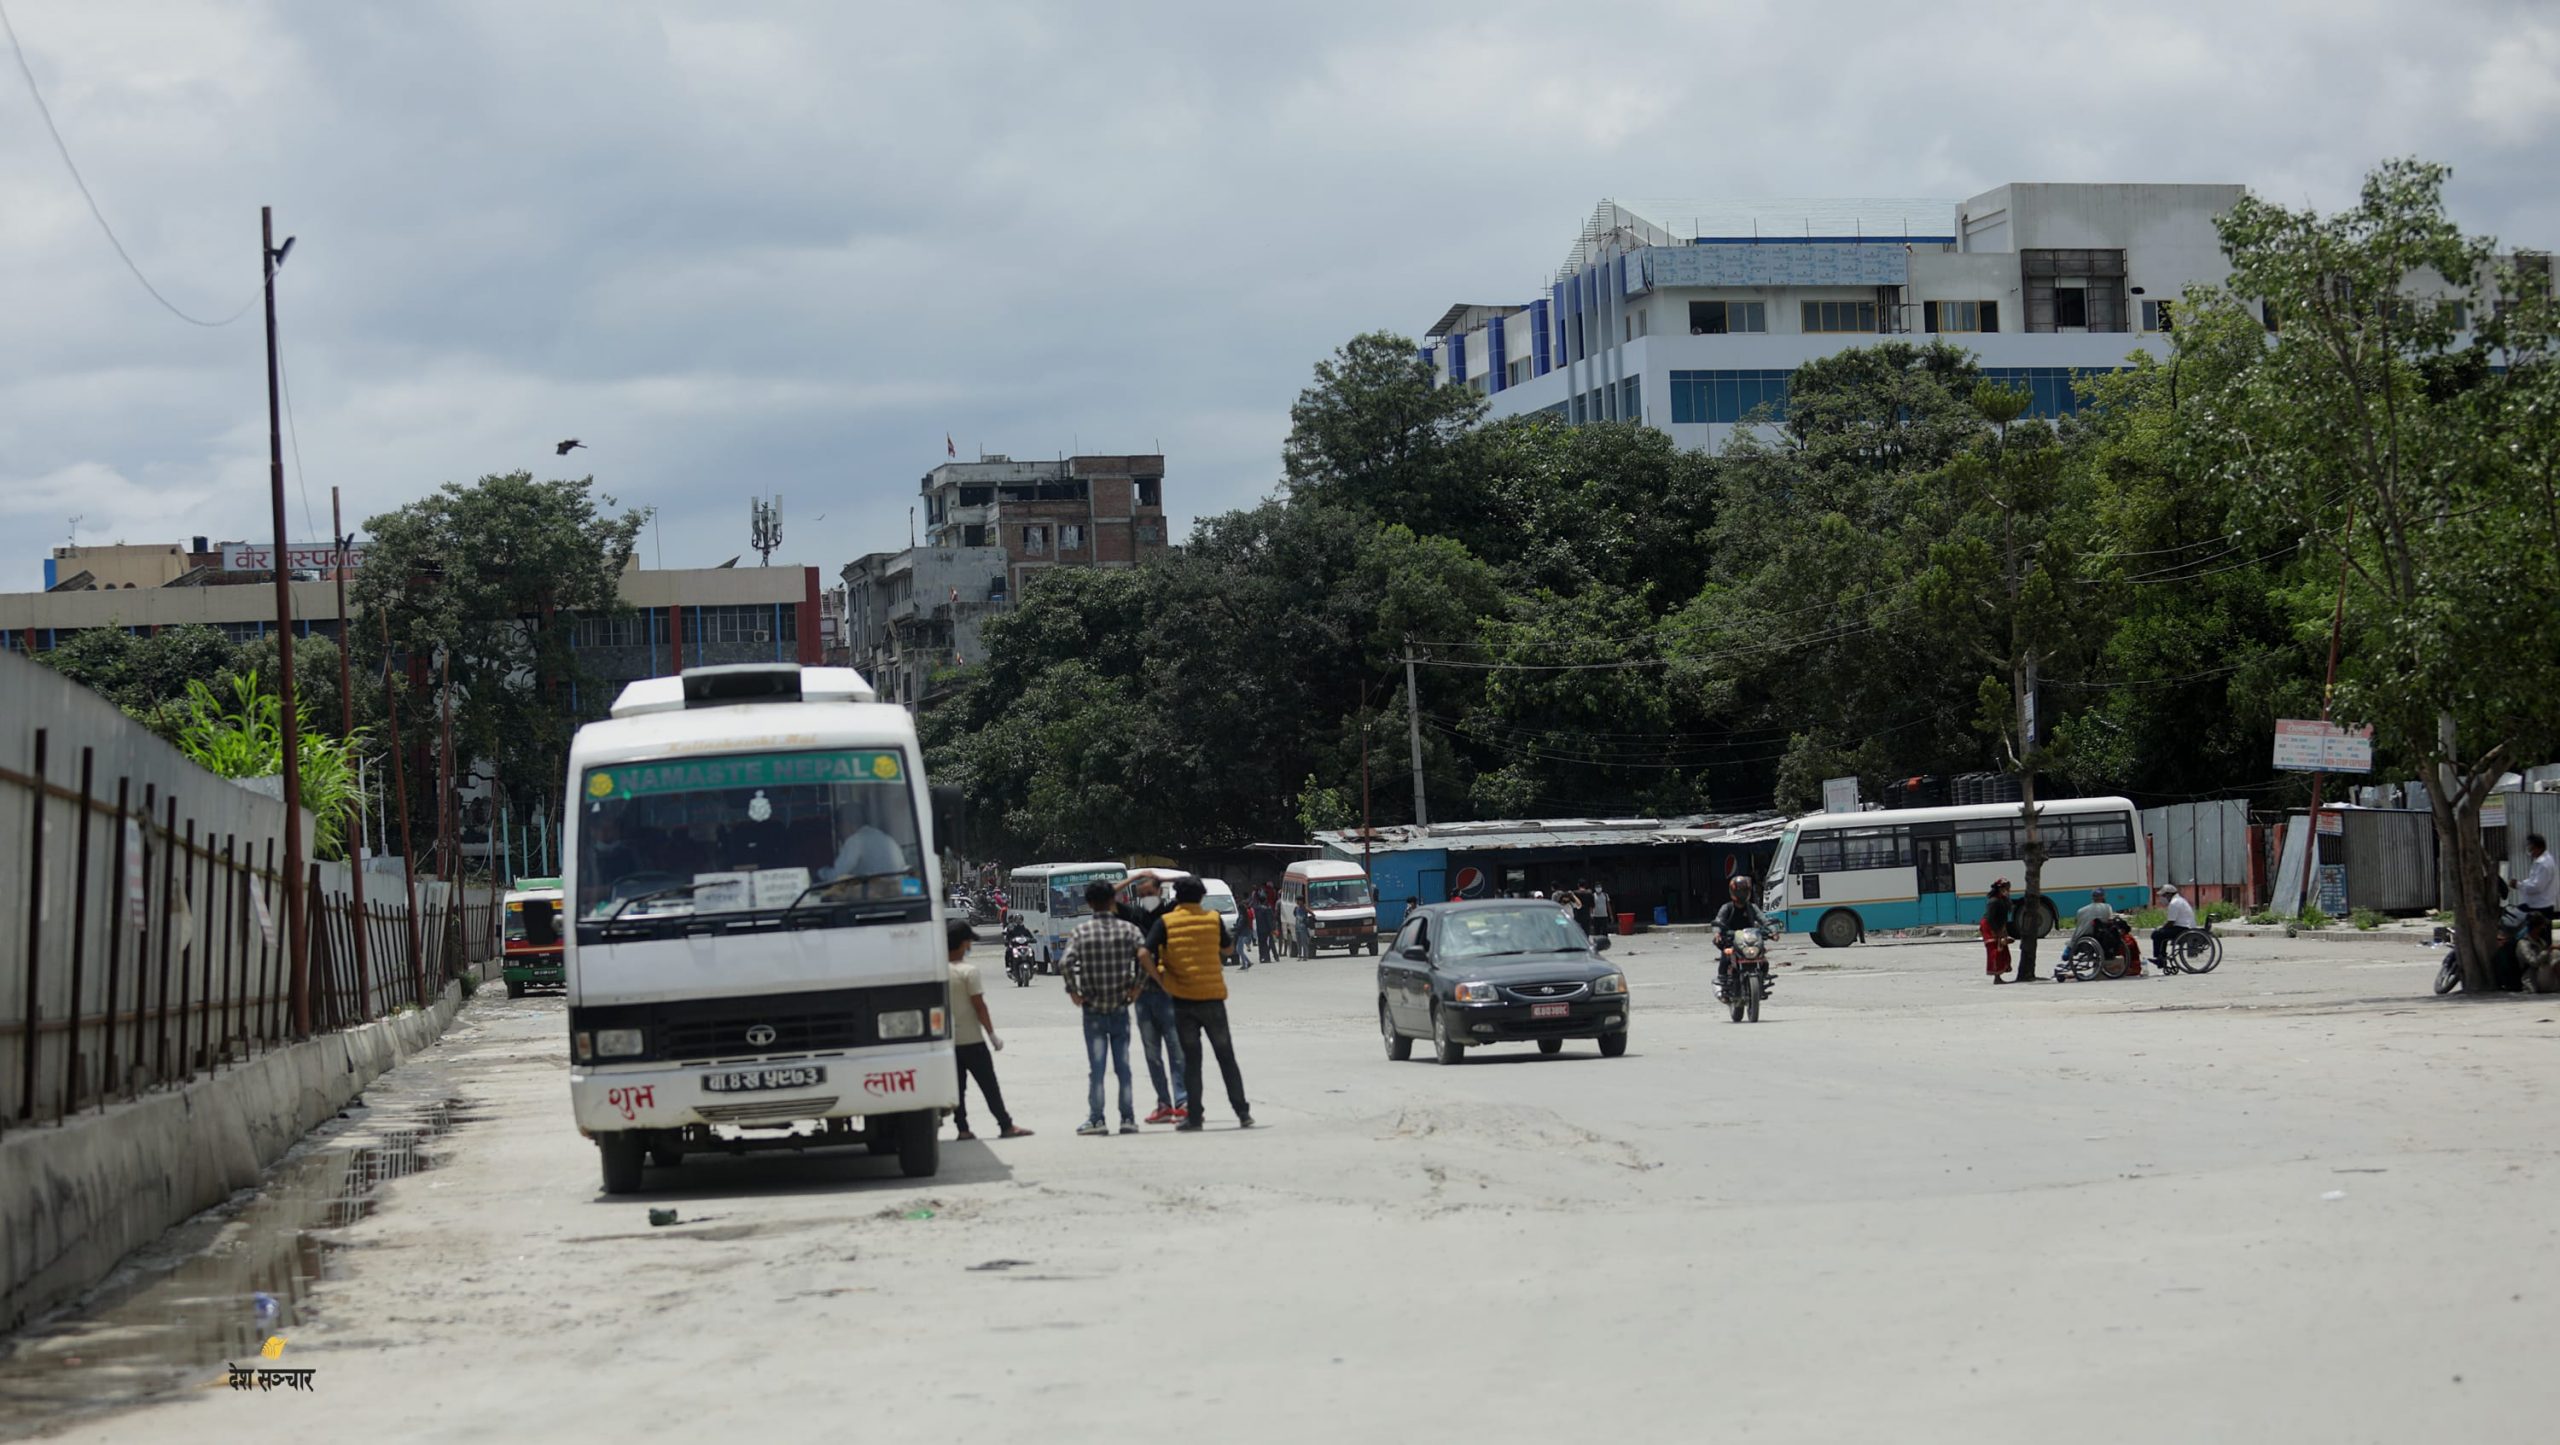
{"x":1476,"y":993}
{"x":904,"y":1024}
{"x":617,"y":1043}
{"x":1609,"y":983}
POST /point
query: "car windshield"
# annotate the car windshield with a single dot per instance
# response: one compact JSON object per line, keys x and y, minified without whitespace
{"x":1219,"y":902}
{"x":1338,"y":893}
{"x":1490,"y":932}
{"x":747,"y":833}
{"x":533,"y":921}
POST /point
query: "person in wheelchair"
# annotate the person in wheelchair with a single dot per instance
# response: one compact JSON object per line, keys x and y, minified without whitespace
{"x":2098,"y":920}
{"x":2182,"y":919}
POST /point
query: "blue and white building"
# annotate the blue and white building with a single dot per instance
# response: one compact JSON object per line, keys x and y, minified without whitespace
{"x":1689,"y":316}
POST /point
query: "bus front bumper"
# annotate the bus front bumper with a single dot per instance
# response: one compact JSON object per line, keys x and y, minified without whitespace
{"x":894,"y":1080}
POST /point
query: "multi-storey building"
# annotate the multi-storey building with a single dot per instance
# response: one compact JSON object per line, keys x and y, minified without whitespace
{"x":1692,"y":317}
{"x":990,"y":526}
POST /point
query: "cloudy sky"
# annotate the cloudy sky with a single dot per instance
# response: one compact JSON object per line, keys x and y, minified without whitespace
{"x":791,"y":246}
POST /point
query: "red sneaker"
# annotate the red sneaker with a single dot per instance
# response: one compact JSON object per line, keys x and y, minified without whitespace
{"x":1163,"y":1115}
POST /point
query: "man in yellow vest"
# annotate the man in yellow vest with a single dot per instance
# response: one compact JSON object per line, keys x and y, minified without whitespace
{"x":1186,"y":951}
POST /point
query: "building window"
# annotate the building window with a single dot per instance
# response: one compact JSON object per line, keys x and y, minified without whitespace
{"x":1035,"y":541}
{"x":1150,"y":532}
{"x":1717,"y":318}
{"x":1631,"y":399}
{"x":2456,"y":314}
{"x":973,"y":535}
{"x":1517,"y":373}
{"x":2051,"y":390}
{"x":1839,"y":316}
{"x":1727,"y":396}
{"x":1150,"y":491}
{"x":622,"y":630}
{"x":742,"y":624}
{"x":2155,"y":315}
{"x":1959,"y":315}
{"x":2070,"y":306}
{"x":1070,"y":536}
{"x":977,"y":496}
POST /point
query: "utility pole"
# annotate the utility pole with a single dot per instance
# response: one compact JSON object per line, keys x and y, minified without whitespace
{"x":1413,"y":733}
{"x":297,"y":956}
{"x":338,"y":540}
{"x":400,"y":781}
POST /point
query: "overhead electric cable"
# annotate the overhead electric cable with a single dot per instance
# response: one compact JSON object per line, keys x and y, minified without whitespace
{"x":37,"y":95}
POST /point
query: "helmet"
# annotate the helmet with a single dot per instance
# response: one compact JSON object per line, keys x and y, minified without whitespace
{"x":1740,"y":887}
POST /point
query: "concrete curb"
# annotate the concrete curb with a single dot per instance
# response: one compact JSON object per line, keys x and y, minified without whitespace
{"x":77,"y":1197}
{"x":2408,"y":938}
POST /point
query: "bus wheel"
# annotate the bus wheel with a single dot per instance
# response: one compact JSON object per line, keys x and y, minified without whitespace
{"x":2039,"y":920}
{"x":515,"y":988}
{"x":920,"y":1143}
{"x":621,"y":1151}
{"x":1838,"y":929}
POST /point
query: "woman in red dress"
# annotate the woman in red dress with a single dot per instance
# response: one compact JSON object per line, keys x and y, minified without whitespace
{"x":1995,"y":931}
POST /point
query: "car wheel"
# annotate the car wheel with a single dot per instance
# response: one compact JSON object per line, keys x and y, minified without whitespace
{"x":1838,"y":929}
{"x":1550,"y":1046}
{"x":1613,"y":1045}
{"x":1399,"y":1048}
{"x":620,"y":1152}
{"x":1446,"y":1048}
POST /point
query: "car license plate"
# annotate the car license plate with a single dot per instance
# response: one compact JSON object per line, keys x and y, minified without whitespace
{"x":747,"y":1080}
{"x":1550,"y":1010}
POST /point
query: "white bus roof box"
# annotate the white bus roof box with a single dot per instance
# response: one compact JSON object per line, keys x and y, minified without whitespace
{"x":743,"y":682}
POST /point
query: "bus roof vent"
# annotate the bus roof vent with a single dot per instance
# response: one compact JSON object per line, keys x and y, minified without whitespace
{"x":752,"y":682}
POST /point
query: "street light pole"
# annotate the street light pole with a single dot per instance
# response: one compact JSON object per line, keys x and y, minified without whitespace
{"x":297,"y":955}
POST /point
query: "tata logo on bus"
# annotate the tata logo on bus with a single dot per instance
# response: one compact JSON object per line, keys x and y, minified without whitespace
{"x":1471,"y":883}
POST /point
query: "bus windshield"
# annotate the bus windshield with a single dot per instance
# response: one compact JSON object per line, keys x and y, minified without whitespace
{"x":1338,"y":893}
{"x":1066,"y":891}
{"x":748,"y":834}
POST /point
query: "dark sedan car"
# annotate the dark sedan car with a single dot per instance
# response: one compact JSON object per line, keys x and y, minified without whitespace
{"x":1498,"y":972}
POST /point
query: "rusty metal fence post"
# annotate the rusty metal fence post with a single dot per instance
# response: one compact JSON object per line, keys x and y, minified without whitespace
{"x":118,"y":922}
{"x":79,"y":939}
{"x":35,"y":937}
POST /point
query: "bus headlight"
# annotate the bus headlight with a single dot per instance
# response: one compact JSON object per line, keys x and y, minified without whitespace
{"x":617,"y":1043}
{"x":903,"y":1024}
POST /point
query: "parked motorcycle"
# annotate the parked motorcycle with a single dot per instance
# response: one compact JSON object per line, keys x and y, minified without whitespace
{"x":1746,"y":970}
{"x":1020,"y":961}
{"x":2521,"y":961}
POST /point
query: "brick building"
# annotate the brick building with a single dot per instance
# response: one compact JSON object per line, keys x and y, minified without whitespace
{"x":990,"y":525}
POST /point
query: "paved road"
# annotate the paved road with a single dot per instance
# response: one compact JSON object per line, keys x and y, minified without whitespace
{"x":2293,"y":1200}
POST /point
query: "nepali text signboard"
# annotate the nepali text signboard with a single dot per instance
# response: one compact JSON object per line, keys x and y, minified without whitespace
{"x":298,"y":557}
{"x":2320,"y":747}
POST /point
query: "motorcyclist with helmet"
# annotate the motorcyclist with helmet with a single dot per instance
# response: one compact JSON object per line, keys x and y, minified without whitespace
{"x":1738,"y":913}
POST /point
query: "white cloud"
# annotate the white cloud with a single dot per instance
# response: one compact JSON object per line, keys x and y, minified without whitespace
{"x":788,"y":246}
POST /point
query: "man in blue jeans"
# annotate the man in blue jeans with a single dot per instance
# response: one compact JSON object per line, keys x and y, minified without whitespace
{"x":1157,"y":1043}
{"x":1101,"y":967}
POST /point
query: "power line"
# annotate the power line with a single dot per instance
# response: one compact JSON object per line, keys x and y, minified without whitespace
{"x":309,"y":526}
{"x":37,"y":95}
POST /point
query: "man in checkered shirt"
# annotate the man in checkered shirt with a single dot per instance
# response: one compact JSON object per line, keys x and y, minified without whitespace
{"x":1101,"y":968}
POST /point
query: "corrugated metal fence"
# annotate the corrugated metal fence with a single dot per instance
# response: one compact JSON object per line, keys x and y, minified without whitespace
{"x":2203,"y":847}
{"x":147,"y":943}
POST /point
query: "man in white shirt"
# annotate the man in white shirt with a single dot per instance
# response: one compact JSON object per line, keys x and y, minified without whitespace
{"x":2182,"y":919}
{"x":2541,"y":886}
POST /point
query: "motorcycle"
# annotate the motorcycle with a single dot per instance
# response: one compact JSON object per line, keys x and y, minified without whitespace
{"x":2521,"y":961}
{"x":1020,"y":961}
{"x":1746,"y":971}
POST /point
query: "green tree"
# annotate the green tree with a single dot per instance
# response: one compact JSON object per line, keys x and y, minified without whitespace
{"x":1377,"y":433}
{"x":2415,"y":463}
{"x":146,"y":676}
{"x":493,"y":576}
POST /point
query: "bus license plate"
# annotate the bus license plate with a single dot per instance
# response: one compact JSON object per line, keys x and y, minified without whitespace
{"x":747,"y":1080}
{"x":1550,"y":1010}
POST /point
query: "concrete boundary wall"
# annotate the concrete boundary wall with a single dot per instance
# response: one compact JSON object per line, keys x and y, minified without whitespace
{"x":76,"y":1198}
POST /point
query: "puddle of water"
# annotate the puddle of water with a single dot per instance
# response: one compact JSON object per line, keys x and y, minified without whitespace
{"x":179,"y":1309}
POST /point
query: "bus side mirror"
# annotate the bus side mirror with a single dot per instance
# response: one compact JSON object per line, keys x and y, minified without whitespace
{"x":950,"y":817}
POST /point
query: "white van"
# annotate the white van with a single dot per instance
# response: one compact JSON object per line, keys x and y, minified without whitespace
{"x":756,"y":956}
{"x":1326,"y":903}
{"x":1048,"y":898}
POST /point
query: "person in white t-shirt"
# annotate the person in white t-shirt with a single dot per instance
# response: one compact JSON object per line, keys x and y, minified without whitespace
{"x":973,"y":1034}
{"x":2182,"y":919}
{"x":2540,"y":889}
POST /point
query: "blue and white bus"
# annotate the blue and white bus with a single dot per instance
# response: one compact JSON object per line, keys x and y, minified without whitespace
{"x":1838,"y":876}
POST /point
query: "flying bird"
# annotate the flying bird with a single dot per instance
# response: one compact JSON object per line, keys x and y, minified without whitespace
{"x":570,"y":445}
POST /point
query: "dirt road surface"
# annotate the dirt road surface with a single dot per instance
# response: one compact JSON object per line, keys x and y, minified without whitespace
{"x":2296,"y":1199}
